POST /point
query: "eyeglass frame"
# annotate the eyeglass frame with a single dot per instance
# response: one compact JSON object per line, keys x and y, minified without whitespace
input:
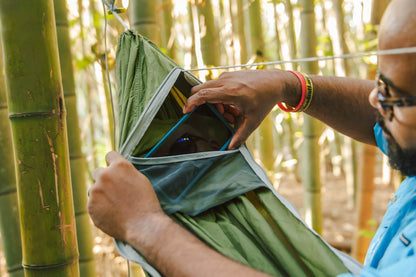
{"x":387,"y":102}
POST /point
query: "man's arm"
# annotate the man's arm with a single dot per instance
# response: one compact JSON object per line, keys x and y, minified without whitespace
{"x":343,"y":104}
{"x":246,"y":97}
{"x":123,"y":204}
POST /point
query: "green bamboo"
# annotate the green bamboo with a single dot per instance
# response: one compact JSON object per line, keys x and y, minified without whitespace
{"x":168,"y":32}
{"x":241,"y":31}
{"x":38,"y":121}
{"x":238,"y":34}
{"x":143,"y":18}
{"x":276,"y":29}
{"x":327,"y":45}
{"x":291,"y":32}
{"x":77,"y":159}
{"x":9,"y":209}
{"x":194,"y":62}
{"x":266,"y":127}
{"x":89,"y":91}
{"x":290,"y":125}
{"x":109,"y":108}
{"x":348,"y":148}
{"x":311,"y":127}
{"x":289,"y":120}
{"x":336,"y":154}
{"x":339,"y":14}
{"x":256,"y":29}
{"x":107,"y":93}
{"x":209,"y":34}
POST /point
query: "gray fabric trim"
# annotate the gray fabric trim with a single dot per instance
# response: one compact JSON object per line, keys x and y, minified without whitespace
{"x":149,"y":113}
{"x":133,"y":255}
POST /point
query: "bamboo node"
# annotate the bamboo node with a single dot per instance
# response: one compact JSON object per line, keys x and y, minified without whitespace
{"x":32,"y":114}
{"x":50,"y":266}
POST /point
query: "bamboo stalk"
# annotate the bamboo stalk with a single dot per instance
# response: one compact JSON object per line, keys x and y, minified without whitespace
{"x":291,"y":32}
{"x":168,"y":37}
{"x":276,"y":28}
{"x":9,"y":209}
{"x":38,"y":121}
{"x":77,"y":159}
{"x":311,"y":127}
{"x":256,"y":29}
{"x":208,"y":35}
{"x":143,"y":18}
{"x":265,"y":129}
{"x":241,"y":31}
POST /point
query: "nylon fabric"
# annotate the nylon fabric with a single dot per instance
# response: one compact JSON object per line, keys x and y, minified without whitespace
{"x":228,"y":176}
{"x":141,"y":67}
{"x":212,"y":205}
{"x":239,"y":231}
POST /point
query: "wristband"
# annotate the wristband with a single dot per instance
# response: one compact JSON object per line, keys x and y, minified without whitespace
{"x":309,"y":93}
{"x":306,"y":96}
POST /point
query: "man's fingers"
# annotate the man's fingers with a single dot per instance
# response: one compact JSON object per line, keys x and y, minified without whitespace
{"x":96,"y":173}
{"x":220,"y":108}
{"x":232,"y":110}
{"x":95,"y":177}
{"x":112,"y":156}
{"x":207,"y":84}
{"x":208,"y":95}
{"x":229,"y":117}
{"x":241,"y":135}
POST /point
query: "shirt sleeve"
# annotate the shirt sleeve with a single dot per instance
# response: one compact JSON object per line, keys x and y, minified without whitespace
{"x":403,"y":268}
{"x":380,"y":139}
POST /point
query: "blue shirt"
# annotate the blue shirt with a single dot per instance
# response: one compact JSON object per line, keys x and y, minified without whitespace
{"x":392,"y":250}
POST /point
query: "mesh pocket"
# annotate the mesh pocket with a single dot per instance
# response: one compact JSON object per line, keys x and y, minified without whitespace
{"x":181,"y":186}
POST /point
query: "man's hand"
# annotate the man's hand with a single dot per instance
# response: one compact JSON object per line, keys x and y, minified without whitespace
{"x":124,"y":205}
{"x":246,"y":97}
{"x":121,"y":198}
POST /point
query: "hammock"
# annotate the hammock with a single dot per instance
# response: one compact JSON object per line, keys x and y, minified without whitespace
{"x":222,"y":197}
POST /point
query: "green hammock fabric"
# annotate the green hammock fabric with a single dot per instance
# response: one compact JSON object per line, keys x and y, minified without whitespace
{"x":233,"y":207}
{"x":239,"y":231}
{"x":141,"y":68}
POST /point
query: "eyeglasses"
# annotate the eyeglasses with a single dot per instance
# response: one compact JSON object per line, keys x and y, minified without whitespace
{"x":388,"y":102}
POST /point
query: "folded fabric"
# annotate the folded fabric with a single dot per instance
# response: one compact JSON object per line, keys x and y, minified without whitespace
{"x":232,"y":206}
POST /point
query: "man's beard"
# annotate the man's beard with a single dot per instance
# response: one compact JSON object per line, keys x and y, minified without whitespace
{"x":400,"y":159}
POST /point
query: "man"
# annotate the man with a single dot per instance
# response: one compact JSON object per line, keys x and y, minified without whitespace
{"x":124,"y":205}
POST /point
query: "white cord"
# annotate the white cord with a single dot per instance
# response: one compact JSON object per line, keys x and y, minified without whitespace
{"x":396,"y":51}
{"x":108,"y":74}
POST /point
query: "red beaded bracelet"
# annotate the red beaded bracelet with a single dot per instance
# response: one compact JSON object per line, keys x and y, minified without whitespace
{"x":287,"y":108}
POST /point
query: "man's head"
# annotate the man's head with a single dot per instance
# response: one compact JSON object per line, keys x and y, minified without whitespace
{"x":398,"y":30}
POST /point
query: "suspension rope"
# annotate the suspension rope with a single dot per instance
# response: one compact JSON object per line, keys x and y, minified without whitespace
{"x":111,"y":8}
{"x":396,"y":51}
{"x":406,"y":50}
{"x":114,"y":10}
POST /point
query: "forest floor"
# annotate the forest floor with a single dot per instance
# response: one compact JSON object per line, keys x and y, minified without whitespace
{"x":338,"y":219}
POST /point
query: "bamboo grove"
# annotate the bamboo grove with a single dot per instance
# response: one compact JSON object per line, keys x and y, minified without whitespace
{"x":57,"y":121}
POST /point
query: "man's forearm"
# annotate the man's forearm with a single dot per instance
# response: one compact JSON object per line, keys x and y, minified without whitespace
{"x":176,"y":252}
{"x":342,"y":103}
